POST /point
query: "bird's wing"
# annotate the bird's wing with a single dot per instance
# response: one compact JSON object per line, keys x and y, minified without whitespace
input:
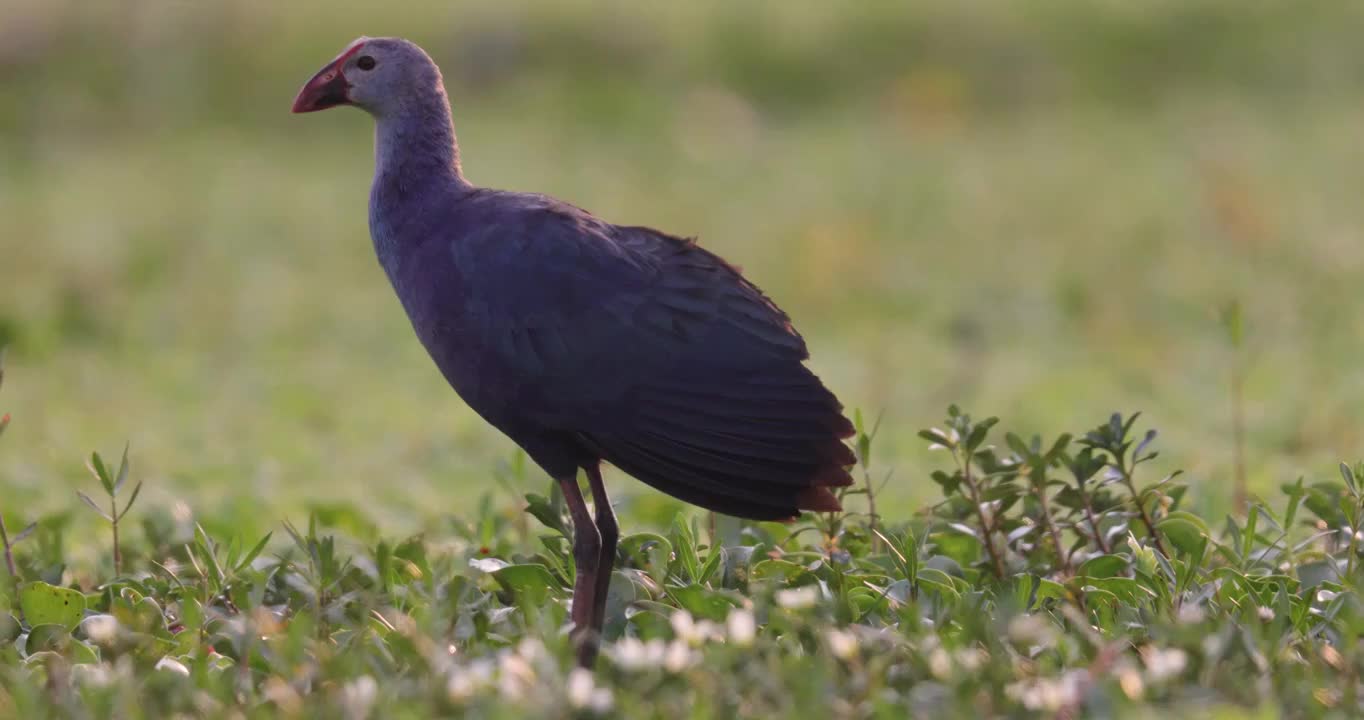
{"x":559,"y":298}
{"x":666,"y":361}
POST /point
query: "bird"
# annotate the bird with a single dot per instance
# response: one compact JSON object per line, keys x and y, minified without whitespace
{"x":585,"y":342}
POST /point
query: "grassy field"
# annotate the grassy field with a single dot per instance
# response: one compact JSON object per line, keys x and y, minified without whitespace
{"x":1044,"y":210}
{"x":1040,"y":211}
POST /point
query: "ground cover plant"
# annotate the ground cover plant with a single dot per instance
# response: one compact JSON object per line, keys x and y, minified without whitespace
{"x":1054,"y":577}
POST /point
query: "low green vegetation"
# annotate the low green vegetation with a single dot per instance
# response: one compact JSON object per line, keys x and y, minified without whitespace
{"x":1055,"y":577}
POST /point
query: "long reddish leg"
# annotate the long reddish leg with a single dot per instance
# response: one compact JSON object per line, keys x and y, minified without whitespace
{"x":587,"y":548}
{"x":610,"y":536}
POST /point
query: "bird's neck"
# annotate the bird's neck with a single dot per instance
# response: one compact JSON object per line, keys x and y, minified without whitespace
{"x":416,"y":146}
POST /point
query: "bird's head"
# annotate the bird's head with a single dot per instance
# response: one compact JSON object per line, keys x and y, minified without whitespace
{"x":378,"y":75}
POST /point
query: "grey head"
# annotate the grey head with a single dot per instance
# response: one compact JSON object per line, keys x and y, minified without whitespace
{"x":383,"y":76}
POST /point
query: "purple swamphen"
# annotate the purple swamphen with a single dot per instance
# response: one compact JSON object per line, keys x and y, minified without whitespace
{"x":584,"y":341}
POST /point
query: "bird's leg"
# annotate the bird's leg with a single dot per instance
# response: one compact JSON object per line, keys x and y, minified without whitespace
{"x":610,"y":534}
{"x":586,"y":560}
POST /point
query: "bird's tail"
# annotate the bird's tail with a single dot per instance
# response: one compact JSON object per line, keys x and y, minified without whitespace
{"x":762,"y":447}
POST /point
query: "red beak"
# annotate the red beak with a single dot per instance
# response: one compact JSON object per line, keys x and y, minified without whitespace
{"x":326,"y":89}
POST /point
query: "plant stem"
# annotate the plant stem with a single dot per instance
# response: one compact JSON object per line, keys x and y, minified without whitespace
{"x":9,"y":552}
{"x":1141,"y":508}
{"x":1051,"y":527}
{"x":1354,"y":537}
{"x":118,"y":555}
{"x":871,"y":510}
{"x":995,"y":560}
{"x":1094,"y":526}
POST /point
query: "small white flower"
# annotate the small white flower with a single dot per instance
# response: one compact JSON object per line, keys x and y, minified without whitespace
{"x":684,"y":627}
{"x":580,"y":688}
{"x":1130,"y":682}
{"x":100,"y":629}
{"x":282,"y":694}
{"x":842,"y":644}
{"x":515,"y":676}
{"x":1325,"y":596}
{"x":742,"y":627}
{"x":679,"y":657}
{"x":95,"y":675}
{"x":798,"y":598}
{"x":971,"y":659}
{"x":940,"y":663}
{"x":460,"y":687}
{"x":632,"y":655}
{"x":1032,"y":631}
{"x":1190,"y":614}
{"x":1049,"y":694}
{"x":170,"y":664}
{"x":358,"y":697}
{"x":466,"y":681}
{"x":583,"y":693}
{"x":1266,"y":614}
{"x":709,"y":631}
{"x":531,"y":649}
{"x":601,"y":702}
{"x":1163,"y":665}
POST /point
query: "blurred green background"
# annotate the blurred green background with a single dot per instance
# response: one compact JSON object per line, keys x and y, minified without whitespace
{"x":1034,"y":209}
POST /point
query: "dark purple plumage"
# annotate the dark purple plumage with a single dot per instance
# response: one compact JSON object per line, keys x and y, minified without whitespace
{"x":580,"y":340}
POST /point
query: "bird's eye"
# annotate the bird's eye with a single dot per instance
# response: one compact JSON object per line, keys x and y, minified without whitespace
{"x":365,"y":62}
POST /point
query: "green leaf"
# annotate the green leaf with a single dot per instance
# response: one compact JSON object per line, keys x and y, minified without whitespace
{"x":44,"y":604}
{"x":22,"y":534}
{"x":684,"y":544}
{"x":939,"y":582}
{"x":1349,"y":476}
{"x":137,"y":490}
{"x":47,"y":637}
{"x":540,"y":508}
{"x":1184,"y":533}
{"x":965,"y":549}
{"x":96,"y":466}
{"x":785,"y":571}
{"x":1128,"y":590}
{"x":9,"y":628}
{"x":713,"y":563}
{"x":1050,"y":590}
{"x":1103,"y":566}
{"x":935,"y":437}
{"x":88,"y":501}
{"x":122,"y":475}
{"x":703,"y":602}
{"x":251,"y":556}
{"x":651,"y":624}
{"x":80,"y":653}
{"x":533,"y":582}
{"x":148,"y":616}
{"x":1295,"y":494}
{"x":1097,"y":595}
